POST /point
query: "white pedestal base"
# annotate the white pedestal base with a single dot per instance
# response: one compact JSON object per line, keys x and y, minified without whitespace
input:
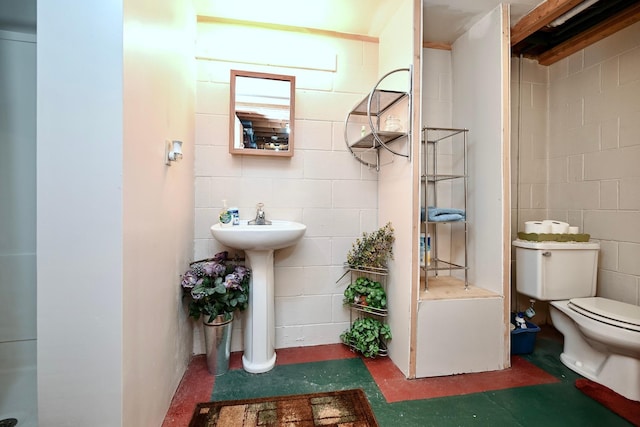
{"x":259,"y":329}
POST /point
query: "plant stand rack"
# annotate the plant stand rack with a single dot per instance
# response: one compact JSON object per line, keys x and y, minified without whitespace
{"x":361,"y":311}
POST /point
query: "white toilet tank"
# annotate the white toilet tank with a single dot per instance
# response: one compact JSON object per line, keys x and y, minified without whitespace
{"x":550,"y":271}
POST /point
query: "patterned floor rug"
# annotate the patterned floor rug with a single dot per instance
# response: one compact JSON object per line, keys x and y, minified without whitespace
{"x":335,"y":408}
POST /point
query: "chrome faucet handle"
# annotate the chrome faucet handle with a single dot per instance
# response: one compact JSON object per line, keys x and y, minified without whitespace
{"x":260,"y":216}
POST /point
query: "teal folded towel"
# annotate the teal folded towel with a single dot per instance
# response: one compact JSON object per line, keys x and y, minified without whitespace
{"x":445,"y":214}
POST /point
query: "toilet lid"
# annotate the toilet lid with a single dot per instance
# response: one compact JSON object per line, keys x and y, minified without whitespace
{"x":608,"y":311}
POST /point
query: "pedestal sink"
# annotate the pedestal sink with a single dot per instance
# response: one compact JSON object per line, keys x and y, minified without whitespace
{"x":258,"y":243}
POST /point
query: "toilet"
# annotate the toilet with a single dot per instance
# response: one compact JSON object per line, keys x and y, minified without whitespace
{"x":601,"y":336}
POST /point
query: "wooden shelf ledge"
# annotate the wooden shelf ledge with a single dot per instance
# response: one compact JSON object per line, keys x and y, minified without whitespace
{"x":448,"y":287}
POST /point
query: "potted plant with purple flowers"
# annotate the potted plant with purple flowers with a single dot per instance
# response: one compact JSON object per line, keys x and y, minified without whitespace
{"x":217,"y":287}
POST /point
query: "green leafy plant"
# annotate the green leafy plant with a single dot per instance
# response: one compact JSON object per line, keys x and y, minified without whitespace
{"x":367,"y":294}
{"x":216,"y":286}
{"x":372,"y":249}
{"x":366,"y":336}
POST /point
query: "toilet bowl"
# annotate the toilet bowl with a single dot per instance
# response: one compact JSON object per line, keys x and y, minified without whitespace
{"x":601,"y":336}
{"x":601,"y":341}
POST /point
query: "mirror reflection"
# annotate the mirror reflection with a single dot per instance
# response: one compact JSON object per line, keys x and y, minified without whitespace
{"x":261,"y":113}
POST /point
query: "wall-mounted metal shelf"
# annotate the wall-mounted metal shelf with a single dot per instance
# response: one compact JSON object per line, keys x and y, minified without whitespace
{"x":371,"y":141}
{"x":373,"y":135}
{"x":378,"y":102}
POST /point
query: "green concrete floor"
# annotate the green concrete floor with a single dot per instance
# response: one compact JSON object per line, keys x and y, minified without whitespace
{"x":548,"y":405}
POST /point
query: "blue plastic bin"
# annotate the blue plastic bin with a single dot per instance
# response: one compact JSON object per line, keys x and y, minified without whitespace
{"x":523,"y":341}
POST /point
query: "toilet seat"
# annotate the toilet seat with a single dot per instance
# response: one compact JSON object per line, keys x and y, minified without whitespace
{"x":611,"y":312}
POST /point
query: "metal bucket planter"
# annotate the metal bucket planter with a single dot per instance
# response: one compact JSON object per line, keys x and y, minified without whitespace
{"x":217,"y":340}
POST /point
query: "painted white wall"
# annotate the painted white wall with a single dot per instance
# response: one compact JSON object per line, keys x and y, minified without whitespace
{"x":437,"y":77}
{"x":478,"y":105}
{"x":594,"y":152}
{"x":18,"y":173}
{"x":79,"y":221}
{"x":113,"y":222}
{"x":578,"y":151}
{"x":158,"y":200}
{"x":321,"y":185}
{"x":453,"y":343}
{"x":445,"y":342}
{"x":396,"y":187}
{"x":529,"y":141}
{"x":17,"y":227}
{"x":437,"y":88}
{"x":529,"y":146}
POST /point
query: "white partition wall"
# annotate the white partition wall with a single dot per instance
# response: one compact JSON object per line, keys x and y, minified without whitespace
{"x":466,"y":332}
{"x":17,"y":227}
{"x":479,"y":103}
{"x":396,"y":188}
{"x":113,"y":221}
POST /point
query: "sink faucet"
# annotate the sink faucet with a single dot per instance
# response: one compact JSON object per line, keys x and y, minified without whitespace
{"x":260,"y":216}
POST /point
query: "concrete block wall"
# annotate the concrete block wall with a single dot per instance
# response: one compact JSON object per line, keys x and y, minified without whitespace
{"x":529,"y":142}
{"x":437,"y":106}
{"x":529,"y":146}
{"x":594,"y":152}
{"x":321,"y":186}
{"x":575,"y":153}
{"x":436,"y":88}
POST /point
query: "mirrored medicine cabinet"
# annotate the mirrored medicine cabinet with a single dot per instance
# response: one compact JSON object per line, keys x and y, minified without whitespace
{"x":261,"y":114}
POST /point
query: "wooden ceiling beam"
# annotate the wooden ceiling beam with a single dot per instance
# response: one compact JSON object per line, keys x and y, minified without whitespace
{"x":539,"y":17}
{"x":281,"y":27}
{"x":627,"y":17}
